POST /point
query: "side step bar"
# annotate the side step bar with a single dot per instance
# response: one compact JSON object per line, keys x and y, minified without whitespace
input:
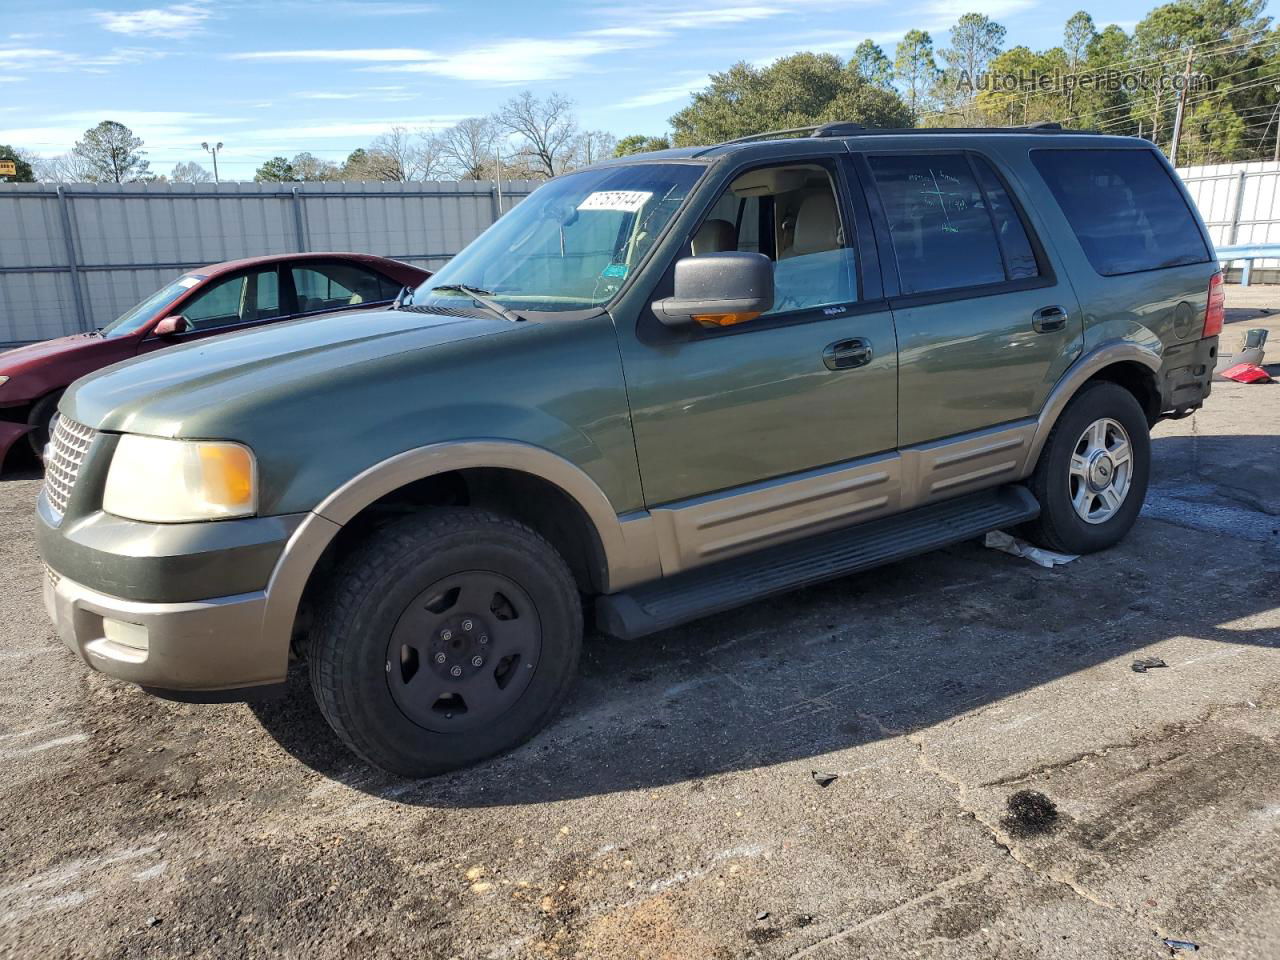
{"x":678,"y":599}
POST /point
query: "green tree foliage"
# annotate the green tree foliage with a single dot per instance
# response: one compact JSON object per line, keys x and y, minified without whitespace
{"x":976,"y":40}
{"x":915,"y":69}
{"x":639,"y":143}
{"x":872,"y":65}
{"x":276,"y":170}
{"x":112,"y":154}
{"x":25,"y":174}
{"x":805,"y":88}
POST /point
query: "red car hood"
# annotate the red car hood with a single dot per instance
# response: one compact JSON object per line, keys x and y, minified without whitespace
{"x":40,"y":368}
{"x":21,"y":358}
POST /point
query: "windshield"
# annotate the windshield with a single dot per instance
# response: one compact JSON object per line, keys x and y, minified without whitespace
{"x":133,"y":320}
{"x":571,"y":244}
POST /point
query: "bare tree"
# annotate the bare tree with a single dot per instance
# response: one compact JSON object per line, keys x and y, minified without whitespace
{"x":189,"y":172}
{"x":468,"y":149}
{"x":546,"y":127}
{"x":67,"y":168}
{"x":395,"y":156}
{"x":592,"y":146}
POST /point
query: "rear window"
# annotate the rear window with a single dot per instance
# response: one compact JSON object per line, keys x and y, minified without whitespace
{"x":1124,"y":207}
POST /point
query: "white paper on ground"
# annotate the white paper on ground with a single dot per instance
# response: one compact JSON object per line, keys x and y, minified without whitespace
{"x":999,"y":540}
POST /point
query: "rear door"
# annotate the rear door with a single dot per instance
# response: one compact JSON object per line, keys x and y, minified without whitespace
{"x":987,"y":321}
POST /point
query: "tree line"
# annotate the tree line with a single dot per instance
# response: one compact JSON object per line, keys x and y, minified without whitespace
{"x":1225,"y":53}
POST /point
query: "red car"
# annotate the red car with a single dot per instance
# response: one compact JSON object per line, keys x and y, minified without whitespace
{"x":218,"y":299}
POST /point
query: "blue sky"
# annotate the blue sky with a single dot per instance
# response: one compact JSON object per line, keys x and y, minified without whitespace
{"x":280,"y":77}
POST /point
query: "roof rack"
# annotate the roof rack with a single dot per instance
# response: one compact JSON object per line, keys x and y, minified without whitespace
{"x":858,"y":130}
{"x":813,"y":130}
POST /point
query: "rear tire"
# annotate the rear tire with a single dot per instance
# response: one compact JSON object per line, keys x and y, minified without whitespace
{"x":40,"y":419}
{"x":447,"y":637}
{"x":1092,"y":476}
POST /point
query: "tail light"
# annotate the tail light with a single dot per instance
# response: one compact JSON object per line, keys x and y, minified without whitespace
{"x":1216,"y":309}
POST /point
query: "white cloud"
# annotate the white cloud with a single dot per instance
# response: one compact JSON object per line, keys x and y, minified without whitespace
{"x":668,"y":94}
{"x":509,"y":62}
{"x":5,"y":79}
{"x":366,"y":55}
{"x":177,"y":21}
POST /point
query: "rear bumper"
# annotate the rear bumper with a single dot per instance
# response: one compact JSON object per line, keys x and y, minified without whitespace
{"x":1186,"y":375}
{"x":201,"y":650}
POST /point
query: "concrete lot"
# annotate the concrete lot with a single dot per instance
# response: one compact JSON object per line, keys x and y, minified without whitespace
{"x":672,"y":812}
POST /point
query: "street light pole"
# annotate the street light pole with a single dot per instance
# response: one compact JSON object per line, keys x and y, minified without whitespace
{"x":214,"y":151}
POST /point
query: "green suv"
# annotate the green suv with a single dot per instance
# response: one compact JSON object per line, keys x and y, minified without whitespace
{"x":658,"y":388}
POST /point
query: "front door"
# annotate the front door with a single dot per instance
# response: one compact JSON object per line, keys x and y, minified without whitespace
{"x":986,"y":325}
{"x":812,"y":383}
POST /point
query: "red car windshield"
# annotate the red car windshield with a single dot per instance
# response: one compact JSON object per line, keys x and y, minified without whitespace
{"x":133,"y":320}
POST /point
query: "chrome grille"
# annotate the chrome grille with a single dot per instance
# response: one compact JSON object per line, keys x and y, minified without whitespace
{"x":62,"y":461}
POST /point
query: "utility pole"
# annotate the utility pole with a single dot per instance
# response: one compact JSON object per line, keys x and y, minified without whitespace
{"x":497,"y":157}
{"x":1182,"y":106}
{"x":214,"y":151}
{"x":1274,"y":116}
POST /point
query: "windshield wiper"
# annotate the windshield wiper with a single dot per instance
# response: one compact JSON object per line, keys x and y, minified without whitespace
{"x":482,"y":297}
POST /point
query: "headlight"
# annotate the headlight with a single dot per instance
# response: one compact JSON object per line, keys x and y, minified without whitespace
{"x":3,"y":381}
{"x":175,"y":481}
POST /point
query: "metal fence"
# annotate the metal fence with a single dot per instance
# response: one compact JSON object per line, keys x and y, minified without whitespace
{"x":1240,"y":204}
{"x":74,"y":257}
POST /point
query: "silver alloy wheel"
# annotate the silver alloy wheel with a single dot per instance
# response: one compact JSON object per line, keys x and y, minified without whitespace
{"x":1101,"y":471}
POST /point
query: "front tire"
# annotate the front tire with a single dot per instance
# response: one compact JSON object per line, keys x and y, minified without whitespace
{"x":40,"y":419}
{"x":447,"y":637}
{"x":1092,"y":476}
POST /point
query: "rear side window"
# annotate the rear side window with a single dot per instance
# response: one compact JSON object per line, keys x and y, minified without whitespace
{"x":1020,"y":259}
{"x":1124,"y":207}
{"x":947,"y":232}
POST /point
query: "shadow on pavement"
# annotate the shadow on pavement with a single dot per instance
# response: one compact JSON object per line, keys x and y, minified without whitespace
{"x":828,"y":668}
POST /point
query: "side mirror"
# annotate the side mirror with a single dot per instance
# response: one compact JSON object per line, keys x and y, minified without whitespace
{"x":718,"y":290}
{"x":171,"y":326}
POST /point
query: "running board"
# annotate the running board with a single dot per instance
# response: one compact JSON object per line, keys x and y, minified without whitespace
{"x":678,"y":599}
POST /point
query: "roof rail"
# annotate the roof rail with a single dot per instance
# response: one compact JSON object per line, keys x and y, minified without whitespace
{"x":843,"y":129}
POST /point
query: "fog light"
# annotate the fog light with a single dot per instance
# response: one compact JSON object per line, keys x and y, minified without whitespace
{"x":125,"y":634}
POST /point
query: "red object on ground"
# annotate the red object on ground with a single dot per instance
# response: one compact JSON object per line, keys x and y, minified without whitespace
{"x":1247,"y":373}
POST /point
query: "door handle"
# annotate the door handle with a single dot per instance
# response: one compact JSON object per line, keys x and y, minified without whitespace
{"x":847,"y":354}
{"x":1049,"y":319}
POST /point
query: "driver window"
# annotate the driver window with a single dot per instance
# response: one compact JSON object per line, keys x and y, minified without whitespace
{"x":239,"y":299}
{"x":792,"y":216}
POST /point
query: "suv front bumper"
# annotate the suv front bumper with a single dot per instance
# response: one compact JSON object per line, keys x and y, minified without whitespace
{"x":201,"y":650}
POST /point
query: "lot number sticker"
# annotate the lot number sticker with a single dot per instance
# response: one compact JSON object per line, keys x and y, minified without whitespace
{"x":622,"y":201}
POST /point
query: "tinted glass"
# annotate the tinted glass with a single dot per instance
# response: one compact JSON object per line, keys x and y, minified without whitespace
{"x":240,"y":299}
{"x":942,"y":233}
{"x":149,"y":309}
{"x":1124,"y":207}
{"x":330,"y":286}
{"x":1020,"y":259}
{"x":790,"y":214}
